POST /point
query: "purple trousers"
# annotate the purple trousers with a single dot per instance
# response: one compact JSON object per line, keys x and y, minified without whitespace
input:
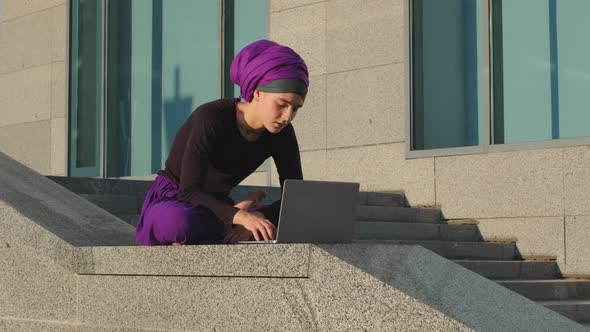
{"x":166,"y":220}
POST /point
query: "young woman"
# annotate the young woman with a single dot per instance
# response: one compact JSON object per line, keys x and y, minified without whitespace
{"x":222,"y":143}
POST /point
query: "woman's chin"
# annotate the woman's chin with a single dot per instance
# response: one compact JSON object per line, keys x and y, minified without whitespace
{"x":274,"y":128}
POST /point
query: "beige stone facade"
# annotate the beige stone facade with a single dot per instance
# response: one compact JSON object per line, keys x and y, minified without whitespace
{"x":352,"y":127}
{"x":356,"y":52}
{"x":33,"y":114}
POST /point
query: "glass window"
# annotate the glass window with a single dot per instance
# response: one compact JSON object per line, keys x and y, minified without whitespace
{"x":85,"y":88}
{"x":447,"y":82}
{"x":163,"y":60}
{"x":541,"y":70}
{"x":241,"y":30}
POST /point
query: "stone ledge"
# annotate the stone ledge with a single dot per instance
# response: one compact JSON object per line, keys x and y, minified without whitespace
{"x":251,"y":260}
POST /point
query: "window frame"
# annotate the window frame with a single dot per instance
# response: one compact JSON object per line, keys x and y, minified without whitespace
{"x":102,"y":162}
{"x":487,"y":73}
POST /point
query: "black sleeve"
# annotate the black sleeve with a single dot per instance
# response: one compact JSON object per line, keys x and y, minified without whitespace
{"x":195,"y":162}
{"x":288,"y":161}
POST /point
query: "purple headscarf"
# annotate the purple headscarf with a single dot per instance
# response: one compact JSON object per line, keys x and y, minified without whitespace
{"x":264,"y":61}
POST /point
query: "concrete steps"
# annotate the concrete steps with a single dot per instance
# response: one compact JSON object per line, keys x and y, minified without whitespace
{"x":511,"y":269}
{"x":576,"y":310}
{"x":550,"y":290}
{"x":116,"y":204}
{"x":397,"y":214}
{"x":569,"y":297}
{"x":459,"y":250}
{"x":386,"y":218}
{"x":129,"y":218}
{"x":392,"y":230}
{"x":371,"y":230}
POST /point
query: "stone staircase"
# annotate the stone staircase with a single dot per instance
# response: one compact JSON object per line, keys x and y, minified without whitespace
{"x":386,"y":218}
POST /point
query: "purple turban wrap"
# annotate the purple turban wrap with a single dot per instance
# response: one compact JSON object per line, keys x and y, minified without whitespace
{"x":264,"y":61}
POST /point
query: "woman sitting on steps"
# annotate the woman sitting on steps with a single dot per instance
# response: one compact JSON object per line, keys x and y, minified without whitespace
{"x":222,"y":143}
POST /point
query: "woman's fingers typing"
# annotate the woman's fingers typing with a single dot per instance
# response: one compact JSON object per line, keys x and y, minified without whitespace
{"x":261,"y":228}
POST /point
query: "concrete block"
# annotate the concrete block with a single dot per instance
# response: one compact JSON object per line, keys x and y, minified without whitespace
{"x":310,"y":121}
{"x":304,"y":30}
{"x":58,"y":146}
{"x":536,"y":236}
{"x":339,"y":297}
{"x":278,"y":5}
{"x":59,"y":23}
{"x":366,"y":106}
{"x":25,"y":96}
{"x":576,"y":180}
{"x":363,"y":34}
{"x":366,"y":301}
{"x":515,"y":184}
{"x":20,"y":229}
{"x":194,"y":304}
{"x":26,"y":42}
{"x":35,"y":287}
{"x":577,"y":252}
{"x":34,"y":151}
{"x":33,"y":203}
{"x":460,"y":294}
{"x":58,"y":90}
{"x":10,"y":9}
{"x":281,"y":260}
{"x":384,"y":167}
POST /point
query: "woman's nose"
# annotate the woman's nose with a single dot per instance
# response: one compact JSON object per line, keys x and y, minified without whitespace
{"x":288,"y":116}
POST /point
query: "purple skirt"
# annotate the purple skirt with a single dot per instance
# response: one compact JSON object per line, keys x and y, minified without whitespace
{"x":165,"y":220}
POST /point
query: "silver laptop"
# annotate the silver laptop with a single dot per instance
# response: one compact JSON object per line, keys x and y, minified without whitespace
{"x":316,"y":212}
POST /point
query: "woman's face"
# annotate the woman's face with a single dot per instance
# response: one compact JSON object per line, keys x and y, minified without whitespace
{"x":277,"y":110}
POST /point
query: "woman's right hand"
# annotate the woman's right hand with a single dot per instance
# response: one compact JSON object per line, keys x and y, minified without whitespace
{"x":261,"y":228}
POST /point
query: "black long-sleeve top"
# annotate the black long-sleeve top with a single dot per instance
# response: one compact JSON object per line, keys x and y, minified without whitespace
{"x":209,"y":157}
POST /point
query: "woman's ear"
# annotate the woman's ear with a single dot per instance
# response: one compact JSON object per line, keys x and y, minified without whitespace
{"x":256,"y":96}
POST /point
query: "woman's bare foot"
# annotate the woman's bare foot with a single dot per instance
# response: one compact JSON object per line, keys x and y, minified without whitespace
{"x":176,"y":244}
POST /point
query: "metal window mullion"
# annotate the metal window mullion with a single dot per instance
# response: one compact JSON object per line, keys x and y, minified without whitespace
{"x":102,"y":134}
{"x":220,"y":47}
{"x":73,"y":87}
{"x":487,"y":74}
{"x":409,"y":76}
